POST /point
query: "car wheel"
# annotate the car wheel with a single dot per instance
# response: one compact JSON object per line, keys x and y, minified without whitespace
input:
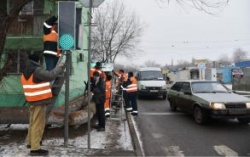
{"x":243,"y":120}
{"x":172,"y":104}
{"x":164,"y":96}
{"x":200,"y":115}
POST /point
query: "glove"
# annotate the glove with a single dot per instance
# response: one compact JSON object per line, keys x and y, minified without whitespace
{"x":61,"y":64}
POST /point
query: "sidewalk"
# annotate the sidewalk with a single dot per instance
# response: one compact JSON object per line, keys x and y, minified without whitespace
{"x":119,"y":139}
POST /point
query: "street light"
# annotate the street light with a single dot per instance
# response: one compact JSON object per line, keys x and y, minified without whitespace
{"x":90,"y":4}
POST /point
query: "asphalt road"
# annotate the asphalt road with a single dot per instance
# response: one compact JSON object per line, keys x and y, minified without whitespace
{"x":166,"y":133}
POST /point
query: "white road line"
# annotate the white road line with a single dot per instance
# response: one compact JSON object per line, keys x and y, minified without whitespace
{"x":225,"y":151}
{"x":173,"y":151}
{"x":157,"y":136}
{"x":160,"y":113}
{"x":138,"y":135}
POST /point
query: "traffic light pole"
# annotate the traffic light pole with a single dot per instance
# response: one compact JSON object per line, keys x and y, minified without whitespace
{"x":66,"y":110}
{"x":89,"y":66}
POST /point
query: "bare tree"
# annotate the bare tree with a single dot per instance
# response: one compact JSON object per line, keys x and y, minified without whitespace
{"x":207,"y":6}
{"x":224,"y":60}
{"x":117,"y":32}
{"x":182,"y":64}
{"x":7,"y":16}
{"x":151,"y":64}
{"x":239,"y":55}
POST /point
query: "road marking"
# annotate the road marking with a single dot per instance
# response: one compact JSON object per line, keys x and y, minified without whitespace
{"x":173,"y":151}
{"x":157,"y":136}
{"x":225,"y":151}
{"x":160,"y":113}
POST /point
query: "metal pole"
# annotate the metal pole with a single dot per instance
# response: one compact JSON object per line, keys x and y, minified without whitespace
{"x":66,"y":111}
{"x":89,"y":63}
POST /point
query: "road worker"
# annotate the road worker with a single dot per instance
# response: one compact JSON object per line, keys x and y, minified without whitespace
{"x":50,"y":37}
{"x":122,"y":78}
{"x":131,"y":89}
{"x":37,"y":91}
{"x":99,"y":99}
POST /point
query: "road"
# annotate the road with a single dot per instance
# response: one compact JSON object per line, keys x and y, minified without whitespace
{"x":166,"y":133}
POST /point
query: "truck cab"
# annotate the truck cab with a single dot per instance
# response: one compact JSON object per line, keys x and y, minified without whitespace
{"x":151,"y":82}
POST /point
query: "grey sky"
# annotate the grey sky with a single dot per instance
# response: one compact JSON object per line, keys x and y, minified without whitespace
{"x":173,"y":34}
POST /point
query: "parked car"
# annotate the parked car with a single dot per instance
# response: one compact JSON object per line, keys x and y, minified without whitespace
{"x":205,"y":99}
{"x":237,"y":73}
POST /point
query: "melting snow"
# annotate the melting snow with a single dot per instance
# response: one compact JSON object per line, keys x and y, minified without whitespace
{"x":116,"y":136}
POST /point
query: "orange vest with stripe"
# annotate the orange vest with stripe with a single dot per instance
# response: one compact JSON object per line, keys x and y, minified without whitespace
{"x":121,"y":78}
{"x":35,"y":91}
{"x":133,"y":86}
{"x":50,"y":43}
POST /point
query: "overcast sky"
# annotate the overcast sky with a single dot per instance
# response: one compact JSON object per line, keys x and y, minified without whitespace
{"x":173,"y":34}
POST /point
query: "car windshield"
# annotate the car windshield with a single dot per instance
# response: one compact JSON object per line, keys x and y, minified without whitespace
{"x":151,"y":75}
{"x":208,"y":87}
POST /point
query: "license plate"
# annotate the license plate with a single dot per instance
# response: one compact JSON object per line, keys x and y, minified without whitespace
{"x":237,"y":112}
{"x":153,"y":91}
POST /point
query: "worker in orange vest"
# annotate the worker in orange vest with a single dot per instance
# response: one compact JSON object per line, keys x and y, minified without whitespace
{"x":131,"y":89}
{"x":37,"y":91}
{"x":108,"y":93}
{"x":50,"y":37}
{"x":121,"y":79}
{"x":98,"y":68}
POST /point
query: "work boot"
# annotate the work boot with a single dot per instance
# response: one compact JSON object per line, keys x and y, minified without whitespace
{"x":134,"y":113}
{"x":101,"y":129}
{"x":39,"y":152}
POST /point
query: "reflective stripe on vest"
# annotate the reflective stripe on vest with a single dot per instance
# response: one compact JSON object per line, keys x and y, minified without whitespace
{"x":133,"y":86}
{"x":35,"y":91}
{"x":50,"y":43}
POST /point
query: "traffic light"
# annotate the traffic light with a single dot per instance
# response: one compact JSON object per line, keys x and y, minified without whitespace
{"x":67,"y":25}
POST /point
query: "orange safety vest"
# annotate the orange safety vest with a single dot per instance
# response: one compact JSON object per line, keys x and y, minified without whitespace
{"x":133,"y":86}
{"x":50,"y":43}
{"x":102,"y":74}
{"x":121,"y":78}
{"x":35,"y":91}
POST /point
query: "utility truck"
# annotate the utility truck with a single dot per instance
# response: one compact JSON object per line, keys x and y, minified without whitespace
{"x":151,"y":82}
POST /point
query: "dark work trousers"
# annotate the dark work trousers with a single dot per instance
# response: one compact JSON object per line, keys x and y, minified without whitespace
{"x":51,"y":61}
{"x":133,"y":100}
{"x":100,"y":114}
{"x":126,"y":99}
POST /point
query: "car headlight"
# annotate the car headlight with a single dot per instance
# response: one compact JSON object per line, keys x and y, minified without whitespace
{"x":217,"y":106}
{"x":248,"y":104}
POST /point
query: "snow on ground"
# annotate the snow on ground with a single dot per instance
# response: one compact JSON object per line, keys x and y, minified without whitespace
{"x":116,"y":136}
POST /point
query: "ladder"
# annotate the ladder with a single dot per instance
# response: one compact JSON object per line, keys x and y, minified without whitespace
{"x":117,"y":105}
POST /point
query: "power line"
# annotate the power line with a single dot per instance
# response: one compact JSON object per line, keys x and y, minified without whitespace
{"x":197,"y":42}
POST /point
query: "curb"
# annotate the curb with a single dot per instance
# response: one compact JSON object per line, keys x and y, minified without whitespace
{"x":135,"y":139}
